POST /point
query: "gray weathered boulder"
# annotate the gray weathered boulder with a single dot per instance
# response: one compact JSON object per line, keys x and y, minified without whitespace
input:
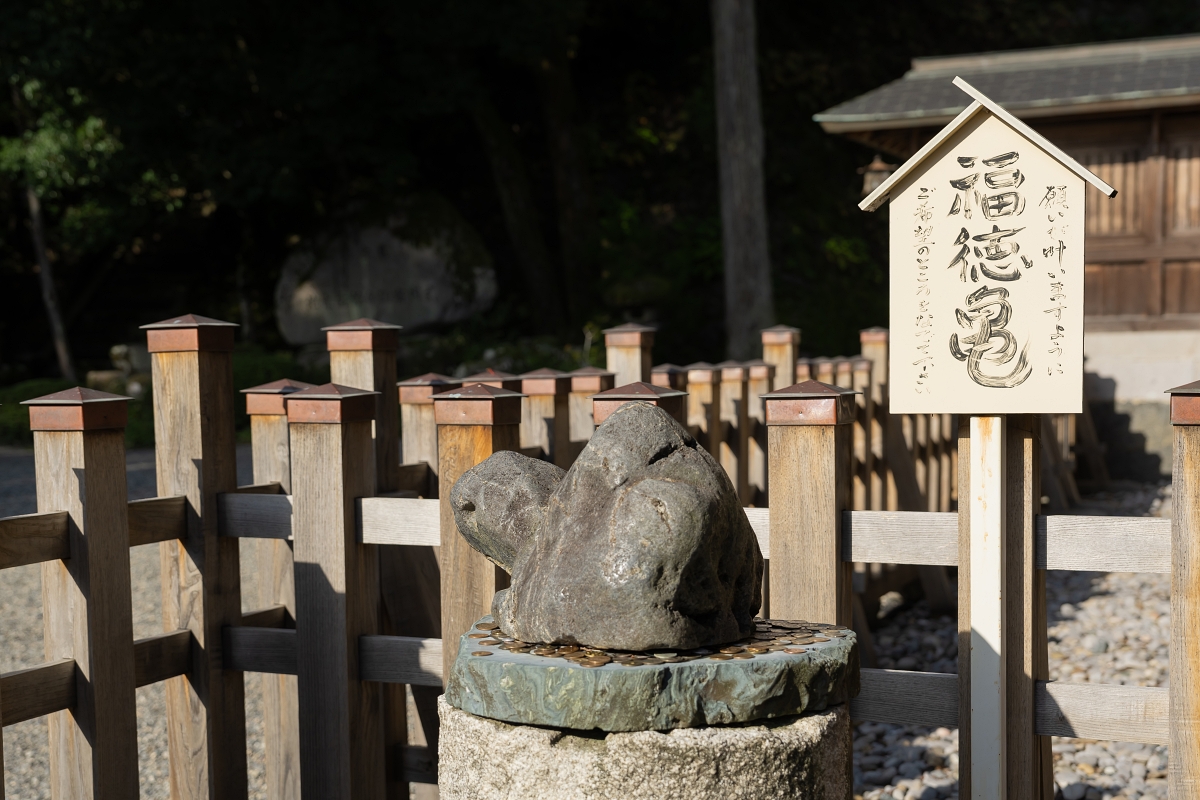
{"x":643,"y":544}
{"x":500,"y":504}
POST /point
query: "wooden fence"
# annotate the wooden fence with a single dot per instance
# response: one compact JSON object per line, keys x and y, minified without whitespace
{"x":330,"y":513}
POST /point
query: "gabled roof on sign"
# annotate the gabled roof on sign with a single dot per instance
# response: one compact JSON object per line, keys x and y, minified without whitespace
{"x":981,"y":102}
{"x":1132,"y":75}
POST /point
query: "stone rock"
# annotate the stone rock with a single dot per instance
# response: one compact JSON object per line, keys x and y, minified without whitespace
{"x":644,"y":545}
{"x":532,"y":690}
{"x":421,"y":267}
{"x":803,"y":758}
{"x":499,"y":505}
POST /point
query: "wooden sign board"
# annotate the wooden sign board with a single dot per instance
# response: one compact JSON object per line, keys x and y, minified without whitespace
{"x":986,"y":249}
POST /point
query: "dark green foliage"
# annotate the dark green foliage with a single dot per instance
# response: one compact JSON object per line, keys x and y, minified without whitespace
{"x":186,"y":148}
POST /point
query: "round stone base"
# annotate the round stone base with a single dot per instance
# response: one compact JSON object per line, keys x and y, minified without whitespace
{"x":802,"y":758}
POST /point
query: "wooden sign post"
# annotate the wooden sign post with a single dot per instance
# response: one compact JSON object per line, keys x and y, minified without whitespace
{"x":987,"y":234}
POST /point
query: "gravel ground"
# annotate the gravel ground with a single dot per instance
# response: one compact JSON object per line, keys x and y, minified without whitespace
{"x":1103,"y":628}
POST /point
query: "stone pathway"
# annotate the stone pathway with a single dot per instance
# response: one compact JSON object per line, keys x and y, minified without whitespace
{"x":1103,"y":628}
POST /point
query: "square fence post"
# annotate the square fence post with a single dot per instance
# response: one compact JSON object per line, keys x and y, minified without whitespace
{"x":545,"y":415}
{"x":864,"y":455}
{"x":874,"y":344}
{"x":418,"y":431}
{"x":1183,"y":768}
{"x":669,"y":400}
{"x":761,"y":381}
{"x":192,"y":368}
{"x":808,"y":448}
{"x":271,"y":448}
{"x":628,"y":349}
{"x":473,"y":422}
{"x":779,"y":345}
{"x":585,"y":382}
{"x":79,"y":457}
{"x":342,"y":725}
{"x":734,"y":449}
{"x":704,"y":406}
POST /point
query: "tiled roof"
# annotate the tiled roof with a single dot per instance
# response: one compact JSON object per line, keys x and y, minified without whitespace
{"x":1053,"y":81}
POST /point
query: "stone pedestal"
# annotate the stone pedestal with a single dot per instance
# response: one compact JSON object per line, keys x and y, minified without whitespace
{"x":805,"y":757}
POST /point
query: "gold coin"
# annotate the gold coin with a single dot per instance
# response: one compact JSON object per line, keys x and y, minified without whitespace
{"x":487,"y":626}
{"x":743,"y":655}
{"x":590,"y":664}
{"x":756,"y":650}
{"x":820,"y":639}
{"x":481,"y":653}
{"x":720,"y":657}
{"x":552,"y":655}
{"x":568,"y":648}
{"x":731,"y":650}
{"x":478,"y":635}
{"x":794,"y":650}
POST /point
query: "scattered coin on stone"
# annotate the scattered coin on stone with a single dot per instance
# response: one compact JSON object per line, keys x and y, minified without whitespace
{"x":482,"y":653}
{"x":486,"y":626}
{"x":731,"y":650}
{"x":720,"y":657}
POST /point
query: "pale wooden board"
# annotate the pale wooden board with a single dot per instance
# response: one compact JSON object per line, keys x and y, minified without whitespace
{"x":255,"y":516}
{"x":157,"y":658}
{"x":266,"y":650}
{"x":1104,"y":544}
{"x":157,"y":519}
{"x":760,"y":521}
{"x":375,"y":371}
{"x":87,"y":614}
{"x":1102,"y":711}
{"x":900,"y":537}
{"x":35,"y":692}
{"x":401,"y":659}
{"x":910,"y":698}
{"x":399,"y":520}
{"x":1183,"y":773}
{"x":33,"y":538}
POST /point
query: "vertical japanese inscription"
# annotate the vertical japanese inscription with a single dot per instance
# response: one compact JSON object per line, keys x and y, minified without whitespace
{"x":922,"y":240}
{"x":987,"y":347}
{"x":1054,"y":202}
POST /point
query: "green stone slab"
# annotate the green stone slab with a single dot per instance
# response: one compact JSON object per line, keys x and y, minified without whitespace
{"x":534,"y":690}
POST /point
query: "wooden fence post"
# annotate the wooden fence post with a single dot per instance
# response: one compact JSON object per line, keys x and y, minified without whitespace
{"x":79,"y":456}
{"x":585,"y":382}
{"x":272,"y":451}
{"x":874,"y":343}
{"x":545,"y":415}
{"x":1183,"y":768}
{"x":473,"y":422}
{"x":804,"y":370}
{"x":808,"y":447}
{"x":669,"y":400}
{"x":192,"y":368}
{"x":418,"y":431}
{"x":761,"y":381}
{"x":628,"y":349}
{"x":779,"y":345}
{"x":704,"y":406}
{"x":823,"y":370}
{"x":864,"y":422}
{"x":362,"y":355}
{"x":670,"y":376}
{"x":1029,"y":761}
{"x":342,"y":726}
{"x":735,"y":426}
{"x":496,"y":378}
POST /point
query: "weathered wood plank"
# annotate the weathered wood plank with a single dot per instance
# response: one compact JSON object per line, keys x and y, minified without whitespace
{"x":1101,"y":711}
{"x":157,"y":658}
{"x":87,"y":612}
{"x":900,"y":537}
{"x":1104,"y":544}
{"x":27,"y":694}
{"x":760,"y":521}
{"x":34,"y":538}
{"x":401,"y":659}
{"x":195,"y":457}
{"x":267,"y":650}
{"x":263,"y":487}
{"x":908,"y":698}
{"x":157,"y":519}
{"x":419,"y":764}
{"x":964,"y":606}
{"x":399,"y":520}
{"x":413,"y":478}
{"x":255,"y":516}
{"x":275,"y":616}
